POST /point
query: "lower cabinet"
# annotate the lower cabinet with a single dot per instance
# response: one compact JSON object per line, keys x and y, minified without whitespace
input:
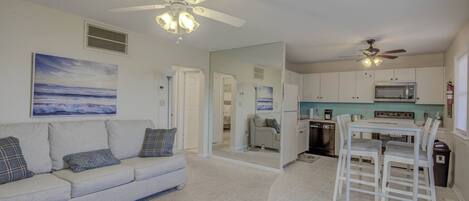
{"x":303,"y":137}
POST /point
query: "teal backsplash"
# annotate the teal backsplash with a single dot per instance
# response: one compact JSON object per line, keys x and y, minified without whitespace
{"x":367,"y":109}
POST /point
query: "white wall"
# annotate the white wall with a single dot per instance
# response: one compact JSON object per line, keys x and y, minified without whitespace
{"x":27,"y":28}
{"x":460,"y":146}
{"x":411,"y":61}
{"x":240,"y":63}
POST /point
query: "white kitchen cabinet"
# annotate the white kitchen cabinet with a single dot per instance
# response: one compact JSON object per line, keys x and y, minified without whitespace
{"x":356,"y":87}
{"x":303,"y":136}
{"x":430,"y":85}
{"x":404,"y":75}
{"x":365,"y":87}
{"x":311,"y":87}
{"x":302,"y":139}
{"x":329,"y":90}
{"x":347,"y":86}
{"x":398,"y":75}
{"x":384,"y":75}
{"x":296,"y":79}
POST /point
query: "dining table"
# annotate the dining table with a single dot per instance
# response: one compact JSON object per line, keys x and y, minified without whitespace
{"x":380,"y":127}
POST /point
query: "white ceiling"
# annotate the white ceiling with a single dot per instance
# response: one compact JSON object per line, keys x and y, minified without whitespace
{"x":314,"y":30}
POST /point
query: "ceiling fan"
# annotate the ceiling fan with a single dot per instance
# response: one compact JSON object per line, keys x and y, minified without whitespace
{"x":373,"y":55}
{"x":178,"y":18}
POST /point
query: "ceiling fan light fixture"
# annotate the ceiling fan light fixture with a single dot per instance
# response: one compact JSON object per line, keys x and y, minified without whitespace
{"x":377,"y":61}
{"x":165,"y":20}
{"x":187,"y":22}
{"x":367,"y":62}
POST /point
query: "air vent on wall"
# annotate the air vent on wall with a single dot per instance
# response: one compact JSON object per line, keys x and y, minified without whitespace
{"x":98,"y":37}
{"x":258,"y":73}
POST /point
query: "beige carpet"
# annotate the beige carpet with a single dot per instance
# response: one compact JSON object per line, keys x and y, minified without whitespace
{"x":218,"y":180}
{"x":268,"y":158}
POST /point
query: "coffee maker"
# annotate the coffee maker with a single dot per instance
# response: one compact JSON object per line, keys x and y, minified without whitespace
{"x":328,"y":114}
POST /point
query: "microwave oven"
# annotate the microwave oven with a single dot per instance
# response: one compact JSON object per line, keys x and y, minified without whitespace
{"x":395,"y":92}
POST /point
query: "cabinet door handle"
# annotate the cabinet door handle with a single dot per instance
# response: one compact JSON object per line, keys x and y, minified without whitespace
{"x":392,"y":78}
{"x":396,"y":78}
{"x":358,"y":97}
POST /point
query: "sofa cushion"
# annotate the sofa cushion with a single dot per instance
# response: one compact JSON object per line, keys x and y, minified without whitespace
{"x":158,"y":142}
{"x":34,"y":144}
{"x":12,"y":164}
{"x":43,"y":187}
{"x":146,"y":168}
{"x":126,"y":136}
{"x":74,"y":137}
{"x":82,"y":161}
{"x":96,"y":180}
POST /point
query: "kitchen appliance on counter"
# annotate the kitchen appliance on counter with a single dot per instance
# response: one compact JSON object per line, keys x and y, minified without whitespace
{"x":393,"y":116}
{"x":395,"y":92}
{"x":322,"y":138}
{"x":356,"y":117}
{"x":314,"y":113}
{"x":327,"y":114}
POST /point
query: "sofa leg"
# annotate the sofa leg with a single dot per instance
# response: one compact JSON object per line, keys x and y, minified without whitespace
{"x":180,"y":187}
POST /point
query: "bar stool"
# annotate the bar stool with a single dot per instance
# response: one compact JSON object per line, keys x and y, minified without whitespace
{"x":424,"y":138}
{"x":405,"y":155}
{"x":360,"y":148}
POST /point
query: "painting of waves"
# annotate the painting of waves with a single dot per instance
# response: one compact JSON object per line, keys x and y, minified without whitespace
{"x":71,"y":87}
{"x":264,"y":98}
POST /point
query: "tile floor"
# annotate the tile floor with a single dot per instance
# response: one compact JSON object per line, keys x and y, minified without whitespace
{"x":218,"y":180}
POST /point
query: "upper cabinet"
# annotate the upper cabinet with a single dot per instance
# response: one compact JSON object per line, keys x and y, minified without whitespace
{"x":329,"y":87}
{"x":365,"y":87}
{"x":311,"y":87}
{"x":397,"y":75}
{"x":347,"y":86}
{"x":356,"y":87}
{"x":321,"y":87}
{"x":430,"y":85}
{"x":296,"y":79}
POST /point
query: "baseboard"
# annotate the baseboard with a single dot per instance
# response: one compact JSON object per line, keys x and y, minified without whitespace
{"x":458,"y":193}
{"x":247,"y":164}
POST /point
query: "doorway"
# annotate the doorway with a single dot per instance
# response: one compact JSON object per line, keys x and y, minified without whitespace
{"x":187,"y":104}
{"x":225,"y":110}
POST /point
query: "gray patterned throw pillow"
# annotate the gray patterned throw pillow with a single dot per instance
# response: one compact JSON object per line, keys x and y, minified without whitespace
{"x":90,"y":160}
{"x":12,"y":164}
{"x":158,"y":143}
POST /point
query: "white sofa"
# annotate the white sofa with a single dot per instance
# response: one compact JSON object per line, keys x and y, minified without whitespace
{"x":44,"y":145}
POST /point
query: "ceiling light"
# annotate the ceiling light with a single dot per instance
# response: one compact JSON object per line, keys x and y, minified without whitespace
{"x":377,"y":61}
{"x":187,"y":22}
{"x":177,"y":22}
{"x":367,"y":62}
{"x":166,"y":21}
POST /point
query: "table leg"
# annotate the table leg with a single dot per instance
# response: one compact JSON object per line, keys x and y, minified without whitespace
{"x":348,"y":162}
{"x":416,"y":165}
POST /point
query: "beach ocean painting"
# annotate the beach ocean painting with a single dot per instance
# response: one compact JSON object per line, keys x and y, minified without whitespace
{"x":264,"y":98}
{"x":71,"y":87}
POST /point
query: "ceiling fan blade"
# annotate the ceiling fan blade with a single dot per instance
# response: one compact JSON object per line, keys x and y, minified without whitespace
{"x":139,"y":8}
{"x":395,"y":51}
{"x":218,"y":16}
{"x":387,"y":56}
{"x":194,"y":1}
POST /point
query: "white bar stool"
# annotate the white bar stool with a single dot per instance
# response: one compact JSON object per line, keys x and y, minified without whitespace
{"x":424,"y":138}
{"x":360,"y":148}
{"x":404,"y":154}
